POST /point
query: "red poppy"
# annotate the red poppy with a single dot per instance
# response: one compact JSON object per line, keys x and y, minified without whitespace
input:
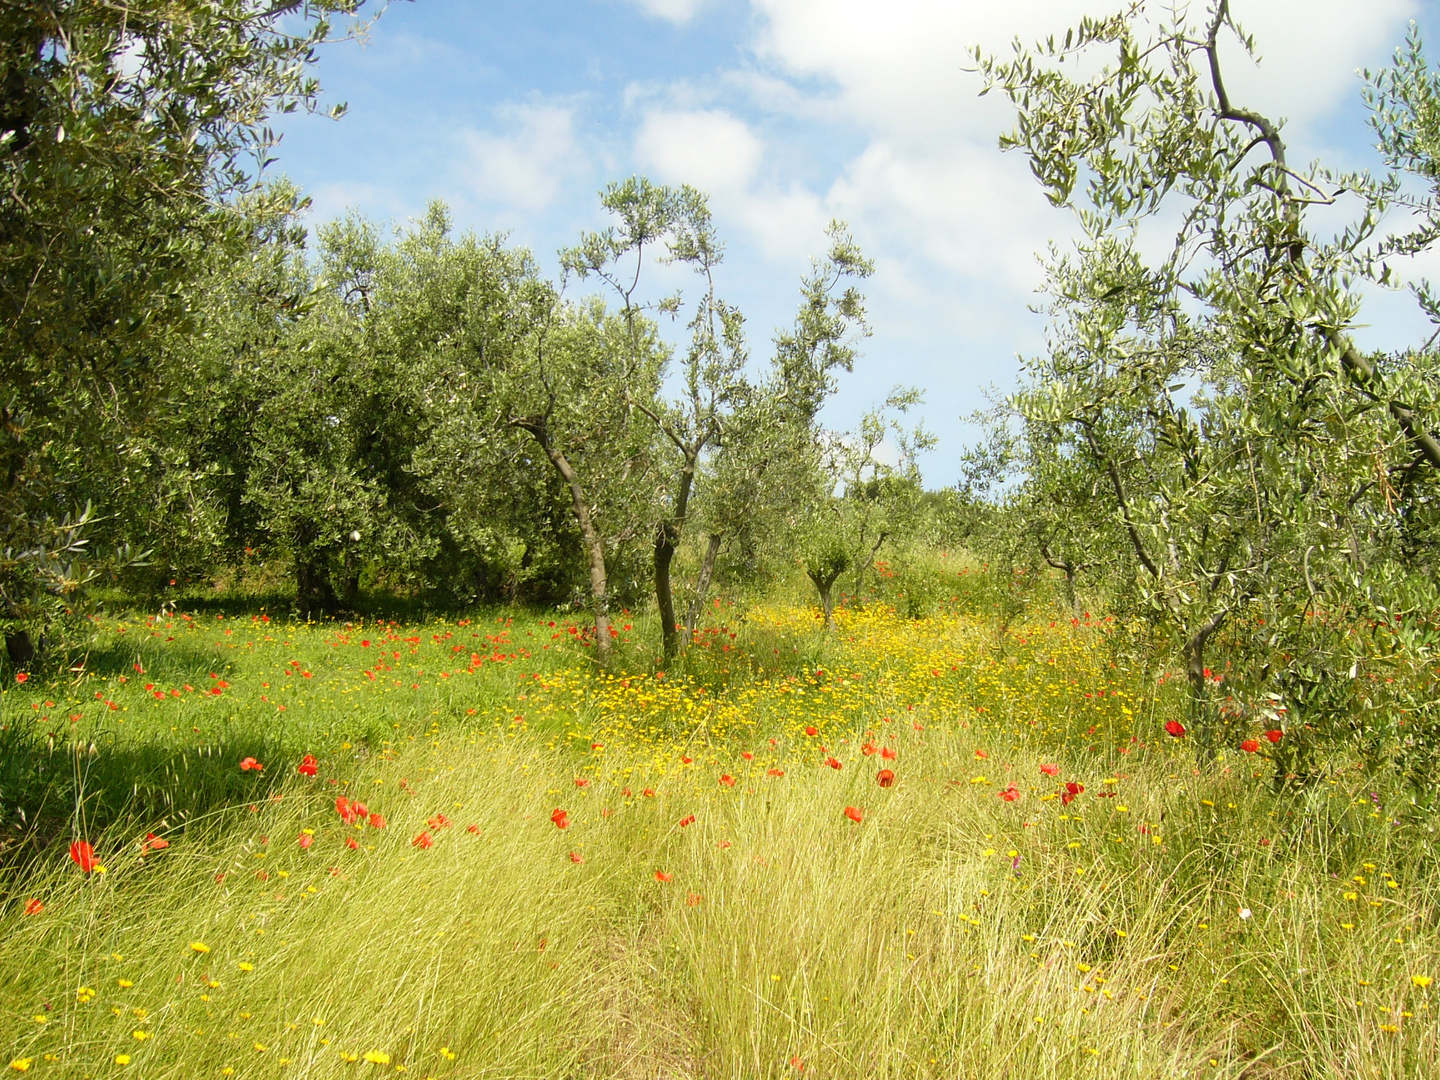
{"x":854,"y":813}
{"x":473,"y":829}
{"x":439,"y":821}
{"x":22,"y":676}
{"x":981,"y":754}
{"x":33,"y":907}
{"x":1274,"y":736}
{"x":663,"y":877}
{"x":1175,"y":728}
{"x":422,"y":841}
{"x":832,"y":762}
{"x":727,"y":780}
{"x":576,"y":857}
{"x":687,"y":761}
{"x":810,"y":730}
{"x":797,"y":1064}
{"x":246,"y":764}
{"x":690,"y":820}
{"x":1010,"y":794}
{"x":560,"y":818}
{"x":351,"y":843}
{"x":306,"y":840}
{"x":1071,"y":790}
{"x":83,"y":855}
{"x":361,"y":810}
{"x":868,"y":749}
{"x":581,"y":781}
{"x":308,"y":765}
{"x":693,"y":899}
{"x":885,"y":778}
{"x":747,"y":755}
{"x":649,"y":792}
{"x":1050,"y":770}
{"x":377,"y":820}
{"x":345,"y":810}
{"x":775,"y":772}
{"x":154,"y":843}
{"x":1250,"y":745}
{"x":889,"y":754}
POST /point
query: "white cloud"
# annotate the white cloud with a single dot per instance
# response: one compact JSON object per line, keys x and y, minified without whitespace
{"x":954,"y":226}
{"x":526,"y":167}
{"x":675,"y":11}
{"x":1309,"y":52}
{"x":900,"y":67}
{"x":710,"y":149}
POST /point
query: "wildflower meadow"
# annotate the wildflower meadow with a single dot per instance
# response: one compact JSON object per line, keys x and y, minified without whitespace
{"x":905,"y":847}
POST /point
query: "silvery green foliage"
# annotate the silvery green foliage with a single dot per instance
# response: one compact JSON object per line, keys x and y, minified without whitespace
{"x":126,"y":133}
{"x":1270,"y":486}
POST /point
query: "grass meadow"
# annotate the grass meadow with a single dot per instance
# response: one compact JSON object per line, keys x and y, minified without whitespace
{"x":797,"y":855}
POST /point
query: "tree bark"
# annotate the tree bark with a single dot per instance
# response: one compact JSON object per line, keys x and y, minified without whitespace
{"x":664,"y":594}
{"x":590,"y":537}
{"x":1202,"y":717}
{"x":314,"y":595}
{"x":667,"y":538}
{"x":702,"y":584}
{"x":1069,"y":569}
{"x":823,"y":585}
{"x":350,"y":582}
{"x":19,"y":648}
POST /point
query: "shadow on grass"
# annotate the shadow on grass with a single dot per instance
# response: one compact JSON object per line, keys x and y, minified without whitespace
{"x":54,"y":790}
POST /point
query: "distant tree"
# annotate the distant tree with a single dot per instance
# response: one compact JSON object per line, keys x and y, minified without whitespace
{"x":859,"y":501}
{"x":722,"y":436}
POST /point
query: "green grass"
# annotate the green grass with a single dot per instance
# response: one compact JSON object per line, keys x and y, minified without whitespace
{"x":948,"y":933}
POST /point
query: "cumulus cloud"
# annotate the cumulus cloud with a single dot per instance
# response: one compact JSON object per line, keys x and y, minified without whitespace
{"x":526,"y":164}
{"x":900,"y":67}
{"x":867,"y":112}
{"x":927,"y":185}
{"x":709,"y":148}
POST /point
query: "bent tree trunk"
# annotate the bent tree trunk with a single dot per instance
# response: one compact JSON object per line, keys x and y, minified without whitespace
{"x":1202,"y":711}
{"x":664,"y":594}
{"x":824,"y":582}
{"x":667,"y":539}
{"x":590,"y":538}
{"x":702,"y":584}
{"x":1069,"y":569}
{"x":314,"y":594}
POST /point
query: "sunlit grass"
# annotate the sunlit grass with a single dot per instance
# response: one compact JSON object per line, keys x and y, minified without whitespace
{"x":1159,"y":923}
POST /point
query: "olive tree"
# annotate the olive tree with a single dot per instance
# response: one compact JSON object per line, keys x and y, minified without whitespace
{"x":124,"y":131}
{"x":1249,"y":449}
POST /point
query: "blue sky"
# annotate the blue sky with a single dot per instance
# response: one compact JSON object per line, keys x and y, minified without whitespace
{"x":789,"y":113}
